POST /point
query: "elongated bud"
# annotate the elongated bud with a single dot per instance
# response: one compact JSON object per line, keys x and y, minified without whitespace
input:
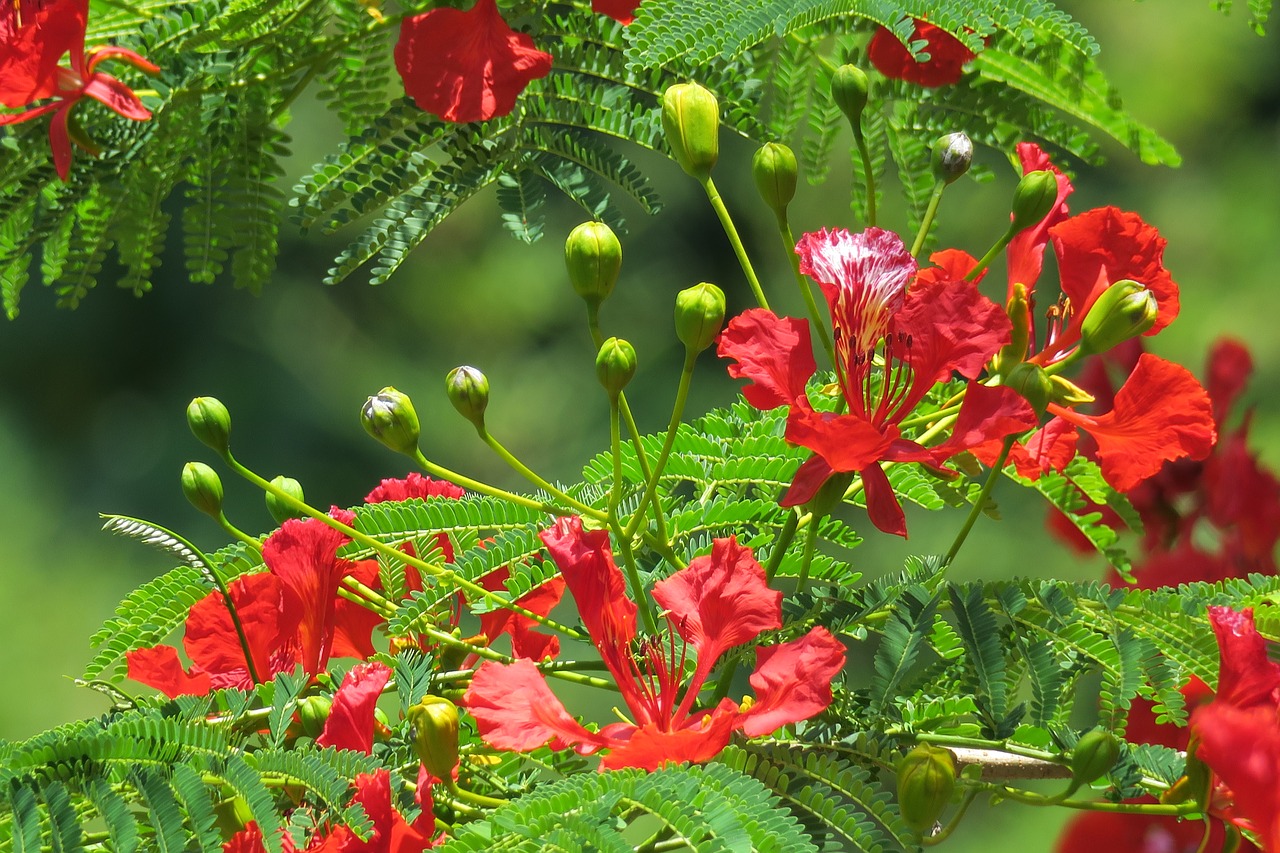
{"x":615,"y":365}
{"x":774,"y":169}
{"x":1019,"y":310}
{"x":952,"y":155}
{"x":593,"y":257}
{"x":1031,"y":382}
{"x":203,"y":488}
{"x":1095,"y":754}
{"x":280,"y":510}
{"x":691,"y":120}
{"x":1067,"y":393}
{"x":210,"y":422}
{"x":434,"y":725}
{"x":1125,"y":310}
{"x":926,"y":780}
{"x":699,"y":316}
{"x":313,"y":713}
{"x":389,"y":417}
{"x":849,"y":91}
{"x":468,"y":390}
{"x":1034,"y":197}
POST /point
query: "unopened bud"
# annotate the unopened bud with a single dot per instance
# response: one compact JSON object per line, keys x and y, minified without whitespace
{"x":1031,"y":382}
{"x":774,"y":169}
{"x":1125,"y":310}
{"x":313,"y":713}
{"x":691,"y":120}
{"x":203,"y":488}
{"x":280,"y":509}
{"x":615,"y":365}
{"x":926,"y":780}
{"x":468,"y":390}
{"x":1095,"y":754}
{"x":1067,"y":393}
{"x":699,"y":316}
{"x":210,"y":422}
{"x":593,"y":257}
{"x":849,"y":91}
{"x":434,"y":727}
{"x":952,"y":155}
{"x":1034,"y":197}
{"x":389,"y":417}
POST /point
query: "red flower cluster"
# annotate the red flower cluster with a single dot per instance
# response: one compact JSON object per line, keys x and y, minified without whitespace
{"x":945,"y":65}
{"x":34,"y":36}
{"x":924,"y":332}
{"x":471,"y":66}
{"x":719,"y":602}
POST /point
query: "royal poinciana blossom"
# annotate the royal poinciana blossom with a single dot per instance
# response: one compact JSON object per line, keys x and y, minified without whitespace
{"x":922,"y":325}
{"x":34,"y":36}
{"x":944,"y":66}
{"x":721,"y":601}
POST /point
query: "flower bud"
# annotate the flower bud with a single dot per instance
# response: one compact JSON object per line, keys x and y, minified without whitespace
{"x":699,"y":316}
{"x":210,"y":422}
{"x":1125,"y":310}
{"x":849,"y":91}
{"x":389,"y":417}
{"x":313,"y":713}
{"x":203,"y":488}
{"x":1031,"y":382}
{"x":926,"y":780}
{"x":468,"y":390}
{"x":280,"y":510}
{"x":593,"y":256}
{"x":1019,"y":310}
{"x":434,"y":726}
{"x":952,"y":155}
{"x":691,"y":120}
{"x":615,"y":365}
{"x":1095,"y":754}
{"x":774,"y":169}
{"x":1034,"y":197}
{"x":1067,"y":393}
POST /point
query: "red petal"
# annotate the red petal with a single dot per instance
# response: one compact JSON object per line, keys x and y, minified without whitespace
{"x":414,"y":485}
{"x":1246,"y":676}
{"x":29,"y":56}
{"x":793,"y":681}
{"x":945,"y":65}
{"x":1025,"y":252}
{"x":160,"y":668}
{"x":775,"y":353}
{"x":1242,"y":747}
{"x":846,"y":442}
{"x":1161,"y":413}
{"x":515,"y":709}
{"x":952,"y":328}
{"x":350,"y":724}
{"x":353,"y":624}
{"x":1230,"y":366}
{"x":719,"y":601}
{"x":391,"y":832}
{"x":466,"y":66}
{"x":949,"y":265}
{"x":622,"y":11}
{"x":212,"y":643}
{"x":303,"y":555}
{"x":988,"y":414}
{"x":116,"y":95}
{"x":60,"y":139}
{"x":882,"y":504}
{"x":100,"y":54}
{"x":649,"y":747}
{"x":526,"y":641}
{"x":810,"y":476}
{"x":1104,"y":832}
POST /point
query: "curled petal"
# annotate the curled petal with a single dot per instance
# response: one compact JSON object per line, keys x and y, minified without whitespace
{"x":774,"y":352}
{"x":1242,"y":747}
{"x":159,"y":667}
{"x":351,"y":722}
{"x":1246,"y":676}
{"x":846,"y":442}
{"x":29,"y":59}
{"x":810,"y":476}
{"x":108,"y":90}
{"x":702,"y":739}
{"x":793,"y":681}
{"x":515,"y":709}
{"x":882,"y":503}
{"x":622,"y":11}
{"x":987,"y":415}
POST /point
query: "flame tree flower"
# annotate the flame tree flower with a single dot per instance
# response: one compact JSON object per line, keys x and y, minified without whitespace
{"x":719,"y":602}
{"x":34,"y":36}
{"x":945,"y":65}
{"x":466,"y":66}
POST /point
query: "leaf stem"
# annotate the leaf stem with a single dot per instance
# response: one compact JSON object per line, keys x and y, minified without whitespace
{"x":726,"y":222}
{"x":868,"y":176}
{"x":927,"y":222}
{"x":806,"y":289}
{"x":677,"y":411}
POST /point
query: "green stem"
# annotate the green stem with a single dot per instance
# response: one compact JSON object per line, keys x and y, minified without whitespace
{"x":806,"y":289}
{"x":251,"y":541}
{"x":985,"y":260}
{"x":868,"y":177}
{"x":474,"y":798}
{"x":810,"y":541}
{"x":726,"y":222}
{"x":677,"y":411}
{"x":981,"y":500}
{"x":524,"y":471}
{"x":942,"y":834}
{"x":780,"y":545}
{"x":443,"y":473}
{"x":659,"y":518}
{"x":615,"y":449}
{"x":929,"y":212}
{"x":623,"y":544}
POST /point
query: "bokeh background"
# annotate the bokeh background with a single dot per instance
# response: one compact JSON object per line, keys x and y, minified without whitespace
{"x":92,"y":401}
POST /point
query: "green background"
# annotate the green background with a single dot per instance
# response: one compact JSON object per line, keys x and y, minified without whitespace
{"x":92,"y":401}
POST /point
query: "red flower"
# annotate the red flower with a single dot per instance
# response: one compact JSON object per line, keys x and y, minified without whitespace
{"x":33,"y":38}
{"x":622,"y":11}
{"x":466,"y":66}
{"x":1103,"y":832}
{"x":414,"y":485}
{"x":351,"y":721}
{"x":945,"y":65}
{"x":923,"y":334}
{"x":719,"y":602}
{"x":1025,"y":252}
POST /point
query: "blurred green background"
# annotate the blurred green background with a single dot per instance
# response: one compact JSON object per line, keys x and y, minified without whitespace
{"x":92,"y":401}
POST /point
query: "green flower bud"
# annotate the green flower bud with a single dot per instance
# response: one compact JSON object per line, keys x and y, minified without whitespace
{"x":699,"y":316}
{"x":926,"y":780}
{"x":1067,"y":393}
{"x":1031,"y":382}
{"x":313,"y":713}
{"x":774,"y":169}
{"x":434,"y":727}
{"x":1019,"y":310}
{"x":468,"y":390}
{"x":691,"y":120}
{"x":849,"y":91}
{"x":952,"y":155}
{"x":615,"y":365}
{"x":389,"y":417}
{"x":279,"y":509}
{"x":1033,"y":198}
{"x":1095,"y":754}
{"x":1125,"y":310}
{"x":593,"y":256}
{"x":203,"y":488}
{"x":210,"y":422}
